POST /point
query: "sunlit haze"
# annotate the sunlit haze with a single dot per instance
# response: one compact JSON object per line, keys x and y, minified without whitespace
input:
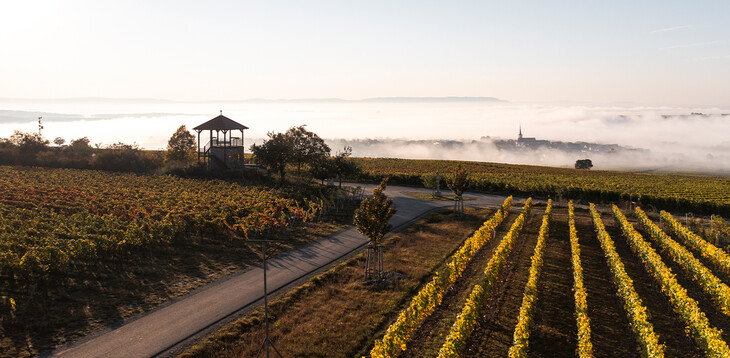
{"x":671,"y":53}
{"x":621,"y":72}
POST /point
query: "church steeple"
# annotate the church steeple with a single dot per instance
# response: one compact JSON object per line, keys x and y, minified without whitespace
{"x":520,"y":136}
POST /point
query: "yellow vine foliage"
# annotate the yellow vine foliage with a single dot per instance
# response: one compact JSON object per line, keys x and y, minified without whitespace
{"x":585,"y":347}
{"x":53,"y":219}
{"x":429,"y":297}
{"x":467,"y":318}
{"x":718,"y":257}
{"x":521,"y":334}
{"x":718,"y":291}
{"x":708,"y":338}
{"x":644,"y":330}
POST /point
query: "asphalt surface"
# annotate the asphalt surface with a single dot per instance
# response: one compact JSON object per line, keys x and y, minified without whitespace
{"x":156,"y":332}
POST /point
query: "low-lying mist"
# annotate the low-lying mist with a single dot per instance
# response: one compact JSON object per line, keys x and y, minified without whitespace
{"x":650,"y":139}
{"x":486,"y":151}
{"x":669,"y":138}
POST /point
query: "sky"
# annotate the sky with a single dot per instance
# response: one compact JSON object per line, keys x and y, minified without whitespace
{"x":654,"y":53}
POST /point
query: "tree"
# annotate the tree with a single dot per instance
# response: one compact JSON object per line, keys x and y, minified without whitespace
{"x":583,"y":164}
{"x":372,"y":220}
{"x":297,"y":146}
{"x":457,"y":182}
{"x":324,"y":169}
{"x":275,"y":153}
{"x":431,"y":181}
{"x":32,"y":142}
{"x":121,"y":157}
{"x":59,"y":141}
{"x":181,"y":146}
{"x":344,"y":166}
{"x":29,"y":145}
{"x":372,"y":217}
{"x":307,"y":146}
{"x":339,"y":166}
{"x":80,"y":147}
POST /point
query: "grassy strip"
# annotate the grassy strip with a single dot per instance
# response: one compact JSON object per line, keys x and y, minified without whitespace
{"x":334,"y":314}
{"x":719,"y":258}
{"x":429,"y":297}
{"x":585,"y":347}
{"x":644,"y":330}
{"x":529,"y":299}
{"x":707,"y":337}
{"x":467,"y":319}
{"x":713,"y":286}
{"x":443,"y":197}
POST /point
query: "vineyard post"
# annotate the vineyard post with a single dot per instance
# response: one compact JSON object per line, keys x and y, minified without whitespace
{"x":27,"y":304}
{"x":267,"y":342}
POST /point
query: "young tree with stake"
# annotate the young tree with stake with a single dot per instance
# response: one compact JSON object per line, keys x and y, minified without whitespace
{"x":371,"y":219}
{"x":457,"y":182}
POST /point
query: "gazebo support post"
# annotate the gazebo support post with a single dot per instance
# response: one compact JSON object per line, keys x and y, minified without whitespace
{"x":198,"y":145}
{"x":225,"y":148}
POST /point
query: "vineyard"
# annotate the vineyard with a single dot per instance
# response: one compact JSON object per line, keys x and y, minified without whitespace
{"x":65,"y":231}
{"x":527,"y":278}
{"x":695,"y":193}
{"x":516,"y":313}
{"x":555,"y":280}
{"x":54,"y":219}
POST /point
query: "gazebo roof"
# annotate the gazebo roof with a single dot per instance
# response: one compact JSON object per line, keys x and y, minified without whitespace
{"x":220,"y":123}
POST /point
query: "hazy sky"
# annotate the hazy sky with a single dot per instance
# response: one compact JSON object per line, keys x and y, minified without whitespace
{"x":673,"y":53}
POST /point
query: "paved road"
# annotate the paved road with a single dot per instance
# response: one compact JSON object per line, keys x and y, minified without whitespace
{"x":156,"y":332}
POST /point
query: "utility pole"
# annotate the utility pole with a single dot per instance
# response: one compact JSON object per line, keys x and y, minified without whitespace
{"x":267,"y":342}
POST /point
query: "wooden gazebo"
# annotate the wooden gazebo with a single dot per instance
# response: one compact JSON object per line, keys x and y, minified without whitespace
{"x":224,"y":151}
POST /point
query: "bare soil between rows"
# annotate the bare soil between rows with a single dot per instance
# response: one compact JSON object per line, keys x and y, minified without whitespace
{"x":554,"y":331}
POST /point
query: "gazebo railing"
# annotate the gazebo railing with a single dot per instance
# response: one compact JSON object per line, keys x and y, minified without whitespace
{"x":234,"y":142}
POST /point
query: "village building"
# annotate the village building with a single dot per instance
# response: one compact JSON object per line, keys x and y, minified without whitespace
{"x":530,"y":141}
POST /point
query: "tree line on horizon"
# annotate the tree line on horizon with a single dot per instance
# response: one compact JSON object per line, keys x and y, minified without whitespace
{"x":32,"y":149}
{"x":297,"y":150}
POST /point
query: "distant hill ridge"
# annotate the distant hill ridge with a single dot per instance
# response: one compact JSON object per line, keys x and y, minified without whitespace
{"x":433,"y":99}
{"x":259,"y":100}
{"x":376,"y":100}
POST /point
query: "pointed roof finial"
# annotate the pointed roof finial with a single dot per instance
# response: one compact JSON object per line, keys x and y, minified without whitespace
{"x":221,"y":112}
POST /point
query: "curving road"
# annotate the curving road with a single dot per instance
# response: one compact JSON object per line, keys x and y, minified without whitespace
{"x":157,"y":332}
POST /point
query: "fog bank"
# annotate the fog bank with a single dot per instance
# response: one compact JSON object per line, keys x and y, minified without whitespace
{"x":486,"y":151}
{"x":674,"y":138}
